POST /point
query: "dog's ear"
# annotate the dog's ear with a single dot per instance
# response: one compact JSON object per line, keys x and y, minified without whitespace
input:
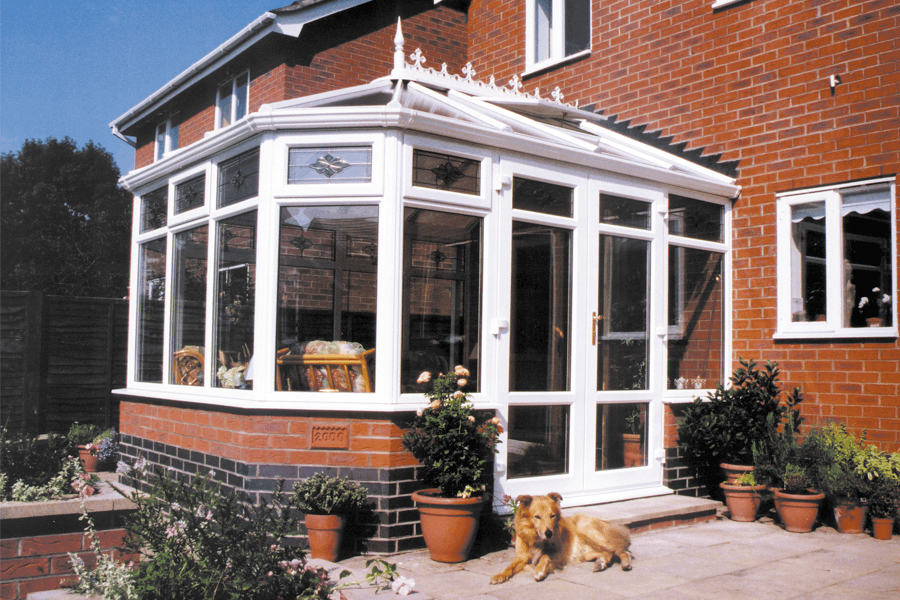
{"x":524,"y":500}
{"x":555,"y":497}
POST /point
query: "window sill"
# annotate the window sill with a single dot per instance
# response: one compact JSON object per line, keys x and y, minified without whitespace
{"x":861,"y":333}
{"x":552,"y":63}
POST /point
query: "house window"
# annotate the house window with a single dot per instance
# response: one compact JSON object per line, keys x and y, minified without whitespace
{"x":150,"y":311}
{"x":556,"y":30}
{"x":232,"y":100}
{"x":329,"y":165}
{"x":154,"y":209}
{"x":239,"y":178}
{"x":166,"y":138}
{"x":190,"y":194}
{"x":327,"y":284}
{"x":189,"y":304}
{"x":440,"y":171}
{"x":441,"y":295}
{"x":836,"y":260}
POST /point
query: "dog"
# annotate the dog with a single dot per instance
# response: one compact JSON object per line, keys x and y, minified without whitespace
{"x":550,"y":541}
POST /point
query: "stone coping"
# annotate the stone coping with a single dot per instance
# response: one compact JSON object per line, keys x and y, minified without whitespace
{"x":106,"y":499}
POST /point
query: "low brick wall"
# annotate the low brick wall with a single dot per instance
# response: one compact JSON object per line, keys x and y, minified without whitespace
{"x":37,"y":537}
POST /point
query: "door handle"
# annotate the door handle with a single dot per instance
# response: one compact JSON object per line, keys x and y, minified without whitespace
{"x":595,"y":319}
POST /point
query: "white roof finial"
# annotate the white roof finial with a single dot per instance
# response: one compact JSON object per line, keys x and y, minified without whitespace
{"x":399,"y":59}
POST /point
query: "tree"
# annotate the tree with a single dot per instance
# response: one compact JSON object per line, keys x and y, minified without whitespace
{"x":66,"y":225}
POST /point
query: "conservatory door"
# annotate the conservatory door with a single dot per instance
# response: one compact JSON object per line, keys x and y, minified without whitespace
{"x":577,"y":399}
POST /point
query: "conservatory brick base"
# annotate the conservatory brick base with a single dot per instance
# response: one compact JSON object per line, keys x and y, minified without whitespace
{"x":250,"y":450}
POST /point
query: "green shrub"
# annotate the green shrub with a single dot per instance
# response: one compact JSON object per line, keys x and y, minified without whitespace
{"x":81,"y":434}
{"x":325,"y":495}
{"x":33,"y":461}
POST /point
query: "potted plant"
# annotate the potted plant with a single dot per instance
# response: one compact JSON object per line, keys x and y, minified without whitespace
{"x":840,"y":474}
{"x":743,"y":497}
{"x":721,"y":431}
{"x":796,"y":502}
{"x":81,"y":437}
{"x":328,"y":503}
{"x":632,"y":447}
{"x":883,"y":472}
{"x":455,"y":446}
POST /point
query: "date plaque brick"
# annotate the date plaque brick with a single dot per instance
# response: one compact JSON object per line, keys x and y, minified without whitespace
{"x":330,"y":437}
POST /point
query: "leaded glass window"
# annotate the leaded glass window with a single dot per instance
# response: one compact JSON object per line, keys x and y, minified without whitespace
{"x":446,"y":172}
{"x":154,"y":209}
{"x":239,"y":178}
{"x":190,"y":194}
{"x":329,"y":165}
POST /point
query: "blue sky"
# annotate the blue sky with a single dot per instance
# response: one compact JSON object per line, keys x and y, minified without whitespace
{"x":70,"y":67}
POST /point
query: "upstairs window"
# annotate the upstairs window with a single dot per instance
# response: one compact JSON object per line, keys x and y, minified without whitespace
{"x":166,"y":138}
{"x":232,"y":100}
{"x":836,"y":261}
{"x":556,"y":30}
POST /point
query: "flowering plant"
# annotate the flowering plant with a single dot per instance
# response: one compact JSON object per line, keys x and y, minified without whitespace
{"x":452,"y":440}
{"x":875,"y":304}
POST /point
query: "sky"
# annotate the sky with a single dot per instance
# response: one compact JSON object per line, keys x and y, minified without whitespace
{"x":71,"y":67}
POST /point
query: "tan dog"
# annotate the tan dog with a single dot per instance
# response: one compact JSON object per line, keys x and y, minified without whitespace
{"x":550,"y":541}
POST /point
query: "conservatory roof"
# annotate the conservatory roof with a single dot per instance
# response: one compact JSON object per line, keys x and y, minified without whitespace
{"x":461,"y":107}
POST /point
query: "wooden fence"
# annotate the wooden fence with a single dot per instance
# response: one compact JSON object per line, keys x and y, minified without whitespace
{"x":60,"y":357}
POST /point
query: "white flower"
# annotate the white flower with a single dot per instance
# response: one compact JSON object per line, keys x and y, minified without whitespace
{"x":403,"y":585}
{"x":461,"y":371}
{"x":212,"y":473}
{"x":175,"y":506}
{"x":122,"y":468}
{"x":461,"y":382}
{"x":458,"y":393}
{"x":424,"y":377}
{"x":863,"y":301}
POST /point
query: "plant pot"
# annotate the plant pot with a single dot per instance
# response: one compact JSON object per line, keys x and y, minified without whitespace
{"x":849,"y":515}
{"x":742,"y":501}
{"x":882,"y":528}
{"x":732,"y":472}
{"x":632,"y":449}
{"x":874,"y":322}
{"x":91,"y":463}
{"x":325,"y":535}
{"x":798,"y":512}
{"x":449,"y":525}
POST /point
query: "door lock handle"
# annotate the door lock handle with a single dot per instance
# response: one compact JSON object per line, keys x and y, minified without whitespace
{"x":595,"y":319}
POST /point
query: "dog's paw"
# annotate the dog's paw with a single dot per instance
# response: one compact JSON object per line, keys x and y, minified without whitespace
{"x":541,"y":574}
{"x":600,"y":565}
{"x":501,"y":578}
{"x":626,"y":567}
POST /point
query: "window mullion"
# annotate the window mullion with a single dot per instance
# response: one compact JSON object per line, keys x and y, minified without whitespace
{"x":834,"y":243}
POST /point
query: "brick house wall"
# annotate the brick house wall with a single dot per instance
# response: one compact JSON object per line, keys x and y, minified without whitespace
{"x":750,"y":82}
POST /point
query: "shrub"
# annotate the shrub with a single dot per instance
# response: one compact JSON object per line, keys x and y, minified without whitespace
{"x":28,"y":459}
{"x":324,"y":495}
{"x":81,"y":434}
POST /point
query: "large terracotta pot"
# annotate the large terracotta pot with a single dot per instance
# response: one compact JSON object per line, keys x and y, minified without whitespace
{"x":449,"y":525}
{"x":732,"y":472}
{"x":849,"y":515}
{"x":91,"y":463}
{"x":743,"y":501}
{"x":633,"y":449}
{"x":882,"y":529}
{"x":325,"y":535}
{"x":798,"y":512}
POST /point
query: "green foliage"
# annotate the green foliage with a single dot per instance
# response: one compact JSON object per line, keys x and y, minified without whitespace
{"x":66,"y":224}
{"x":81,"y":434}
{"x":746,"y":479}
{"x":33,"y":461}
{"x":108,"y":579}
{"x":453,"y":442}
{"x":325,"y":495}
{"x":837,"y":452}
{"x":726,"y":426}
{"x":71,"y":478}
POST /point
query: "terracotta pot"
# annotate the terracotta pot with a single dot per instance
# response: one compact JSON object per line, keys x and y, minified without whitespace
{"x":91,"y":463}
{"x":449,"y":525}
{"x":633,"y":449}
{"x":849,"y":515}
{"x":874,"y":322}
{"x":732,"y":472}
{"x":798,"y":512}
{"x":882,"y":529}
{"x":325,"y":535}
{"x":743,"y":501}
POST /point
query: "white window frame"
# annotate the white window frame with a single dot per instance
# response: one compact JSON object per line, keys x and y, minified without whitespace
{"x":832,"y":326}
{"x":557,"y":37}
{"x":170,"y":139}
{"x":233,"y":118}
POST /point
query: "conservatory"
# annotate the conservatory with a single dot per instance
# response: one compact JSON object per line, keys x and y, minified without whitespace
{"x":315,"y":256}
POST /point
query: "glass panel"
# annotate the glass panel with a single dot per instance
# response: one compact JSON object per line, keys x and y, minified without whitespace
{"x":696,"y":318}
{"x":151,"y":311}
{"x":327,"y":284}
{"x":173,"y":137}
{"x":623,"y":349}
{"x":621,"y":436}
{"x":241,"y":88}
{"x":190,"y":194}
{"x":540,"y":307}
{"x":160,"y":141}
{"x":330,"y":165}
{"x":578,"y":26}
{"x":189,"y":303}
{"x":538,"y":196}
{"x":441,"y":295}
{"x":808,"y":300}
{"x":236,"y":300}
{"x":625,"y":212}
{"x":696,"y":219}
{"x":154,"y":209}
{"x":239,"y":178}
{"x":538,"y":442}
{"x":446,"y":172}
{"x":543,"y":22}
{"x":225,"y":104}
{"x":868,"y":260}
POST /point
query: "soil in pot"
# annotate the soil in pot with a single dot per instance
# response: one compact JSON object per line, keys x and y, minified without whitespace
{"x":882,"y":528}
{"x":326,"y":532}
{"x":742,"y":501}
{"x":849,"y":515}
{"x":449,"y":525}
{"x":798,"y":512}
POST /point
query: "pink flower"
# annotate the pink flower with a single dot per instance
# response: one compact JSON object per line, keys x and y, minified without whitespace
{"x":403,"y":585}
{"x":461,"y":371}
{"x":461,"y":382}
{"x":87,"y":491}
{"x":424,"y":377}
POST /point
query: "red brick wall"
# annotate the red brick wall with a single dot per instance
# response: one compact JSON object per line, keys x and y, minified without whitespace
{"x":752,"y":82}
